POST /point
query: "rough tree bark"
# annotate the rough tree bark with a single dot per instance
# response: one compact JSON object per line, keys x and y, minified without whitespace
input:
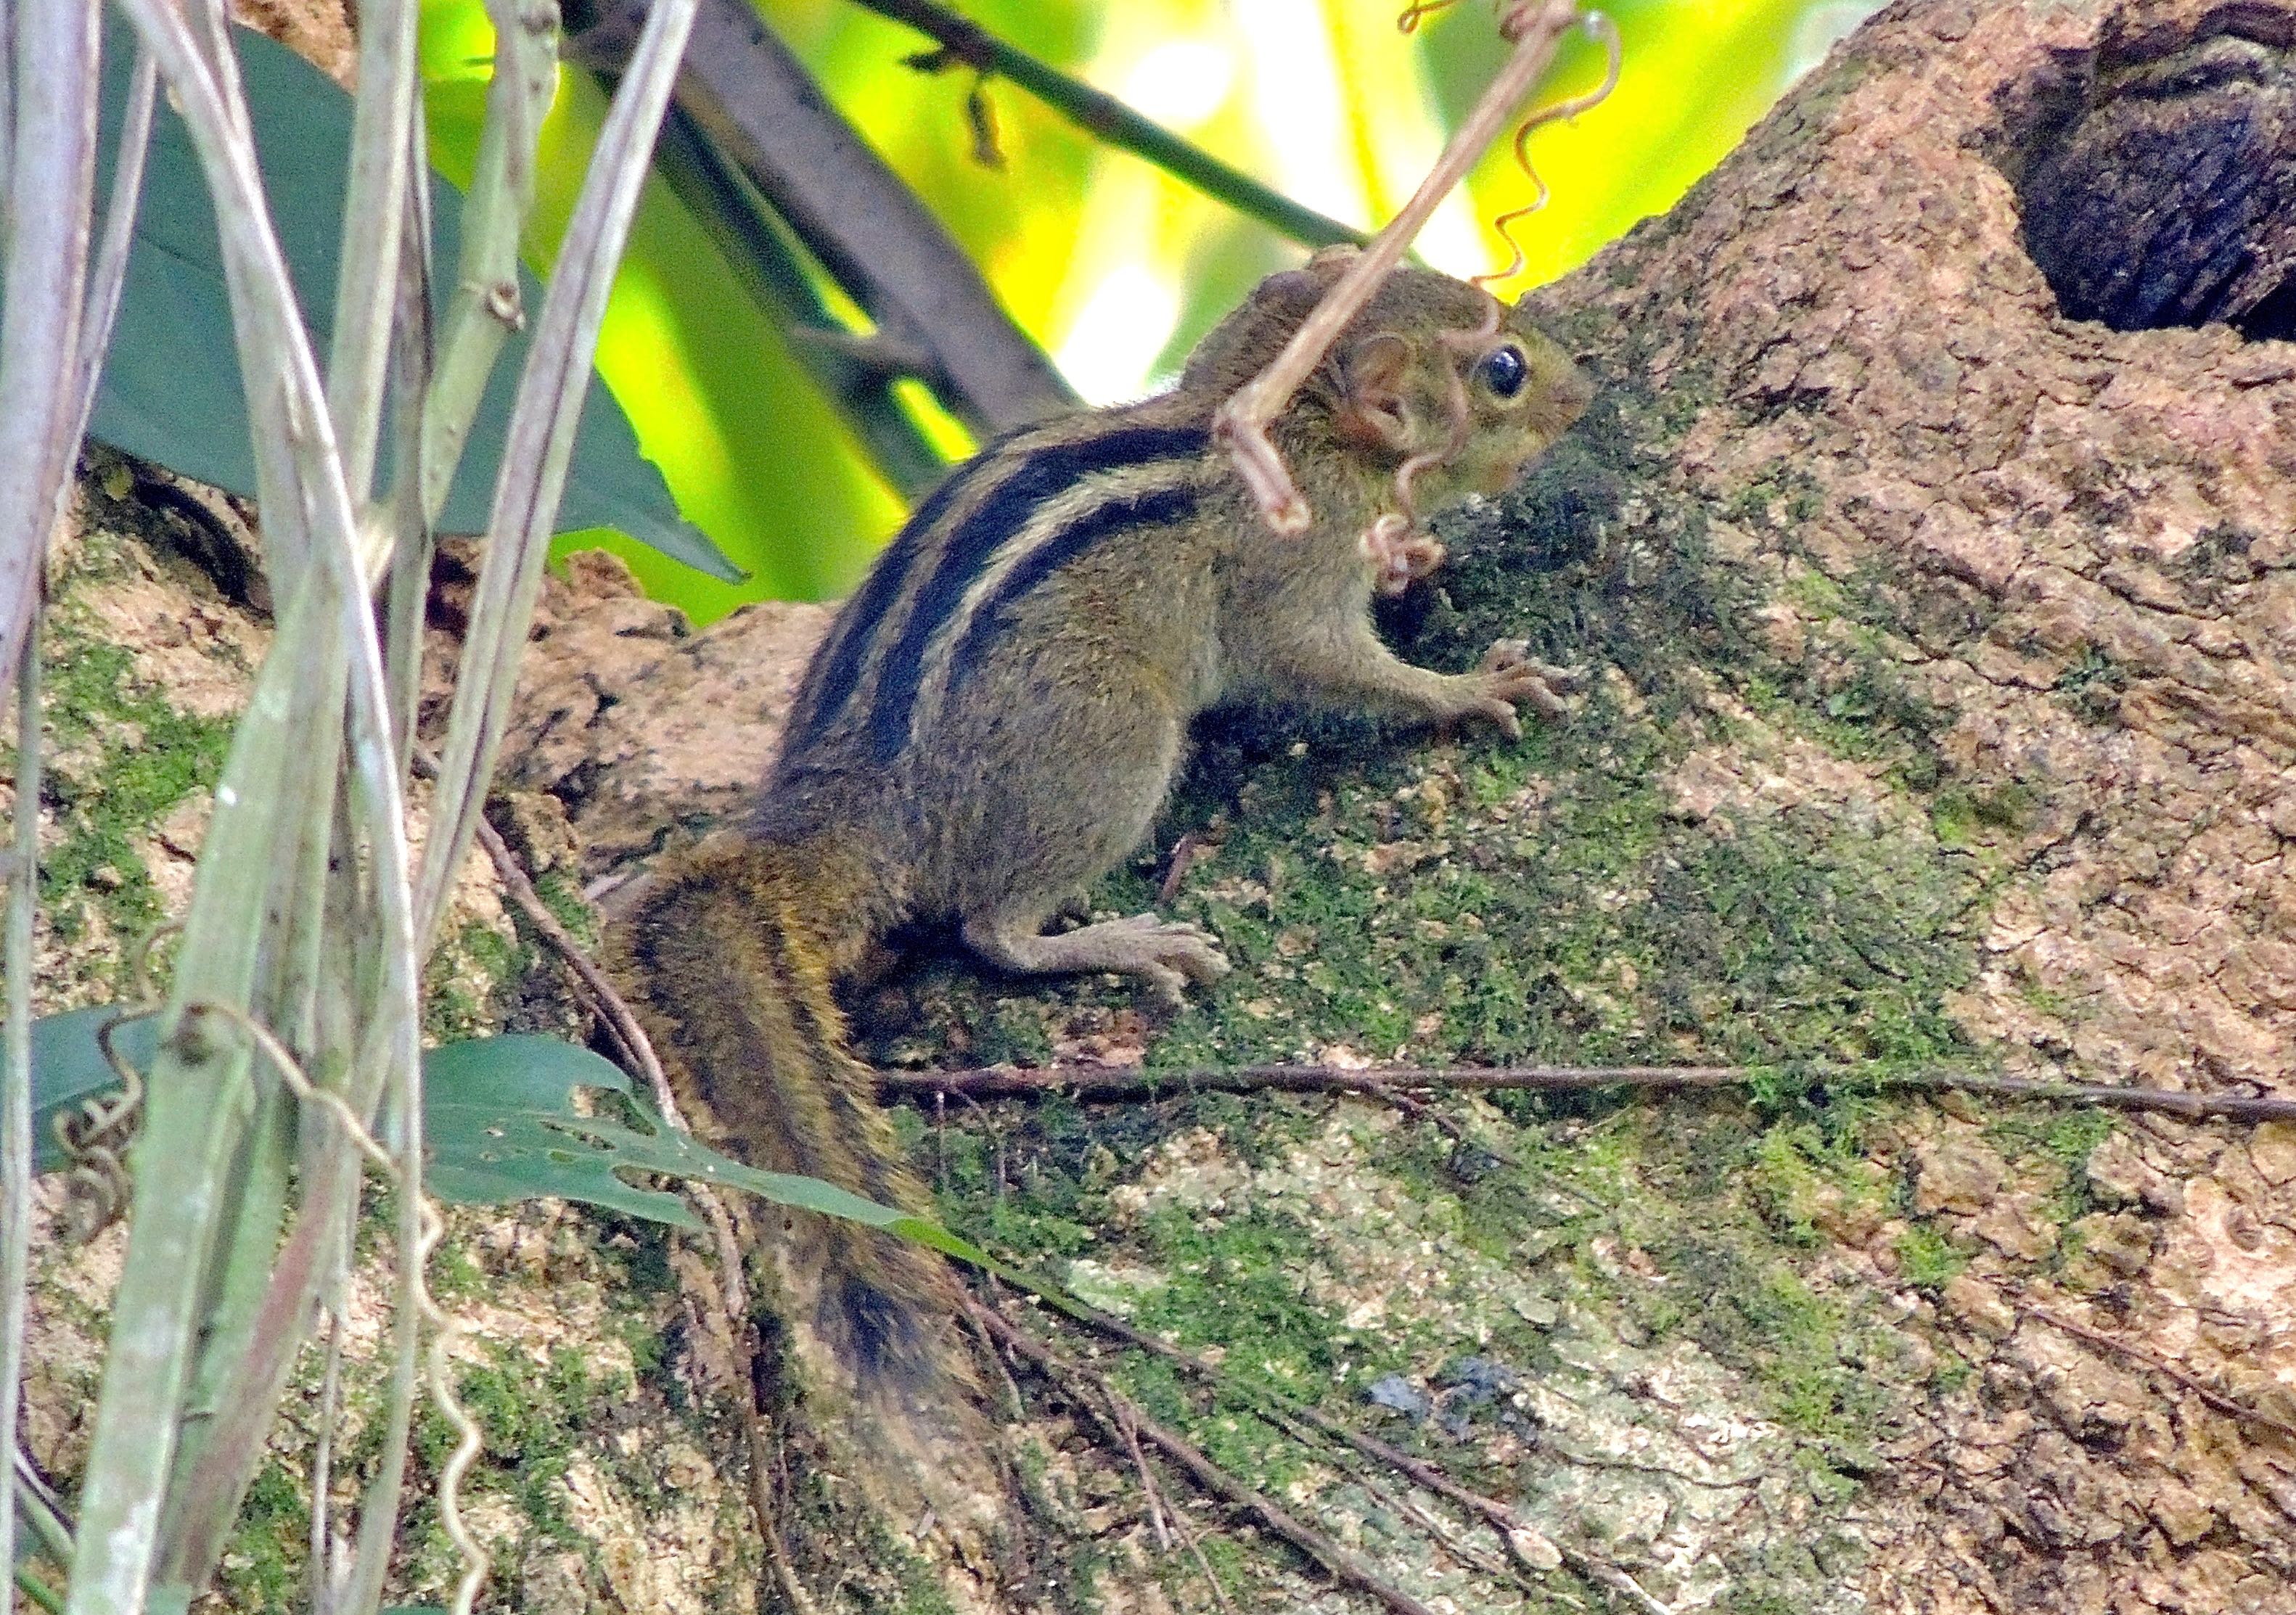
{"x":1945,"y":621}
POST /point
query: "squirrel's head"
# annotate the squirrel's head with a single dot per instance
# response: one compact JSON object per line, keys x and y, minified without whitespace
{"x":1428,"y":366}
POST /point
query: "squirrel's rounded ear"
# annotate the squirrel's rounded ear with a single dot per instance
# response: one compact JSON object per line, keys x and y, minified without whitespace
{"x":1373,"y":410}
{"x":1290,"y":289}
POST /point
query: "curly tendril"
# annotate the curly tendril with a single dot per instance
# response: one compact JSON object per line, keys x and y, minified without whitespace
{"x":1596,"y":27}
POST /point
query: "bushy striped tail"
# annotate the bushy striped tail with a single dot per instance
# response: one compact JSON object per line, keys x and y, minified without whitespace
{"x":728,"y":956}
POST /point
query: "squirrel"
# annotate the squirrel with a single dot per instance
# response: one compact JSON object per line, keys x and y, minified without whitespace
{"x":996,"y":715}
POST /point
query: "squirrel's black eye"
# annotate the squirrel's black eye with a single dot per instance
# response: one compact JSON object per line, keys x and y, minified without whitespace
{"x":1504,"y":370}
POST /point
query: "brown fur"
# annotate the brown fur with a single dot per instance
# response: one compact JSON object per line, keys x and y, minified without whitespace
{"x":1042,"y":727}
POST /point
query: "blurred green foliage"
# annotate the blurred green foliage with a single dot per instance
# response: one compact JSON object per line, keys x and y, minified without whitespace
{"x":1112,"y":265}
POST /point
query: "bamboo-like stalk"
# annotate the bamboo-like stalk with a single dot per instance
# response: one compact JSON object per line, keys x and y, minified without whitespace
{"x":50,"y":188}
{"x":409,"y":588}
{"x":485,"y":307}
{"x":110,"y":274}
{"x":262,"y":1312}
{"x":540,"y":444}
{"x":382,"y":168}
{"x":361,"y":1591}
{"x":199,"y":1103}
{"x":202,"y":1099}
{"x":16,"y":1116}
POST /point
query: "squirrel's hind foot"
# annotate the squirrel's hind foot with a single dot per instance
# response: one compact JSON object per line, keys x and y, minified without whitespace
{"x":1166,"y":954}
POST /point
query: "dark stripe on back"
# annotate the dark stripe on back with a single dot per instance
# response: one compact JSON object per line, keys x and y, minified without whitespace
{"x":1151,"y":509}
{"x":1044,"y":474}
{"x":840,"y":670}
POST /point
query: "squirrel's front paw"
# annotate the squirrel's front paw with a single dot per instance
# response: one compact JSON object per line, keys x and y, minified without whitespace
{"x":1409,"y":559}
{"x":1507,"y":678}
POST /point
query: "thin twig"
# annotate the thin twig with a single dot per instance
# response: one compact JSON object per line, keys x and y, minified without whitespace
{"x":615,"y":1009}
{"x":1130,"y":1429}
{"x":610,"y":1004}
{"x":1341,"y":1565}
{"x":734,"y":1294}
{"x":1106,"y":119}
{"x":2215,"y":1399}
{"x":1241,"y":421}
{"x":1419,"y":1110}
{"x":1107,"y":1082}
{"x":1195,"y":1547}
{"x":1421,"y":1473}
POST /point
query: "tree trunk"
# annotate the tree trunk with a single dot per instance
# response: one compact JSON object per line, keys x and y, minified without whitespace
{"x":1944,"y":614}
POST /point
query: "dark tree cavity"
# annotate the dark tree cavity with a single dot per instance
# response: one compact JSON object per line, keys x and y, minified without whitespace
{"x":2156,"y":172}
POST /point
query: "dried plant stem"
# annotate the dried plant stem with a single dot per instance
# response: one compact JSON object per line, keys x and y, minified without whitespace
{"x":615,"y":1009}
{"x":1243,"y":420}
{"x":1106,"y":1083}
{"x":110,"y":274}
{"x":374,"y":213}
{"x":486,"y":306}
{"x":1112,"y":1407}
{"x":609,"y":1003}
{"x":1418,"y":1471}
{"x":734,"y":1288}
{"x":50,"y":185}
{"x":2228,"y":1406}
{"x":379,"y":1509}
{"x":16,"y":1114}
{"x":732,"y":1280}
{"x":540,"y":446}
{"x":247,"y":938}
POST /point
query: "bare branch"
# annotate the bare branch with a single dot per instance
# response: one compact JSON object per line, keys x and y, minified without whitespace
{"x":756,"y":103}
{"x":1092,"y":1082}
{"x":1106,"y":119}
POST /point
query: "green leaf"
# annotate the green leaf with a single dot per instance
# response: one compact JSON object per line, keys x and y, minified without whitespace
{"x":171,"y":387}
{"x":500,"y":1122}
{"x":69,"y":1068}
{"x":499,"y":1119}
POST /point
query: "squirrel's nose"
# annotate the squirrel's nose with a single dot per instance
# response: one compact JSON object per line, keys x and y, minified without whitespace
{"x":1576,"y":391}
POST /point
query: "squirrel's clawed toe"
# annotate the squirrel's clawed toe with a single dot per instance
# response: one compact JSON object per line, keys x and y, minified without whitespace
{"x":1170,"y":955}
{"x":1511,"y":678}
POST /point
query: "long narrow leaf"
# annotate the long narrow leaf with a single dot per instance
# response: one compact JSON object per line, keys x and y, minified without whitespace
{"x":506,"y":1122}
{"x":170,"y":390}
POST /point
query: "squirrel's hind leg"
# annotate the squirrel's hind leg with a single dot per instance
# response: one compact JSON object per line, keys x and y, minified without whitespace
{"x":1166,"y":954}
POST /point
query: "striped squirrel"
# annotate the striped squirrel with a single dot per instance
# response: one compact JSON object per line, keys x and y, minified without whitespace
{"x":996,"y":715}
